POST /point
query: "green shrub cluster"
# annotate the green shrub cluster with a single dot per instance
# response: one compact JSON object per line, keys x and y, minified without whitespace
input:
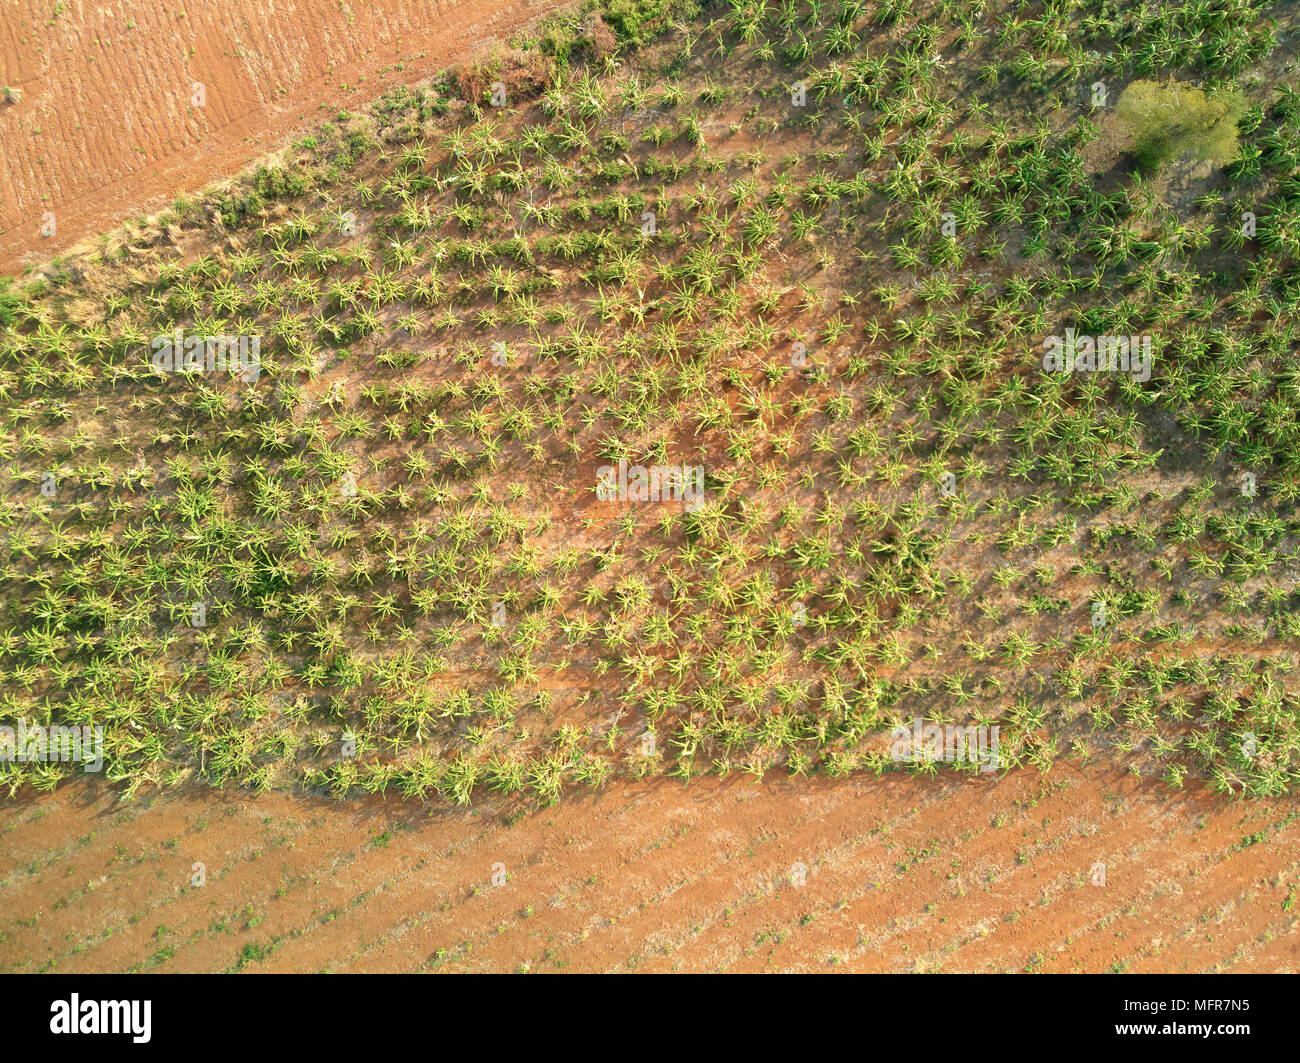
{"x":1171,"y":121}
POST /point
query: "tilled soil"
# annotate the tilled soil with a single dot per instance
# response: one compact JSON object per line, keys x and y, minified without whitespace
{"x":1071,"y":871}
{"x":107,"y":128}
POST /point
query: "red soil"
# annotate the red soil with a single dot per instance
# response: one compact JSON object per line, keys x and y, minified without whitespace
{"x":106,"y":130}
{"x":901,"y":874}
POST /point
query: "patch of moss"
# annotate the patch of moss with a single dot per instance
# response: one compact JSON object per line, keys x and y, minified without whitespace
{"x":1170,"y":121}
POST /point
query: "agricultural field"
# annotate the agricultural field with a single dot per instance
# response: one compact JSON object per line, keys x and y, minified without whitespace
{"x":699,"y":486}
{"x":1056,"y":874}
{"x":115,"y":109}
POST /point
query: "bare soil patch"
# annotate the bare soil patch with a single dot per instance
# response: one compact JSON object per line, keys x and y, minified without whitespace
{"x":1069,"y":871}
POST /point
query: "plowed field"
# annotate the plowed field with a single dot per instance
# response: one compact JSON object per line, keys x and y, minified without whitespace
{"x":107,"y":129}
{"x":898,"y":874}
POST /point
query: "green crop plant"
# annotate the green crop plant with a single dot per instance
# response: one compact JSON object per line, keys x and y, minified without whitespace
{"x":834,"y":305}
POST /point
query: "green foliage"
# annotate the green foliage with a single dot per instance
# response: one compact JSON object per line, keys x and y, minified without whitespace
{"x":10,"y":301}
{"x":634,"y":20}
{"x":1175,"y":120}
{"x":835,"y":309}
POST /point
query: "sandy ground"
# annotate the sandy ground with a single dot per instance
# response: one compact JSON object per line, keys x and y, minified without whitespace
{"x":107,"y":128}
{"x":1063,"y":872}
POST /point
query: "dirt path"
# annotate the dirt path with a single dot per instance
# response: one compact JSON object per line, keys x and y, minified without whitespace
{"x":106,"y":128}
{"x":1071,"y":871}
